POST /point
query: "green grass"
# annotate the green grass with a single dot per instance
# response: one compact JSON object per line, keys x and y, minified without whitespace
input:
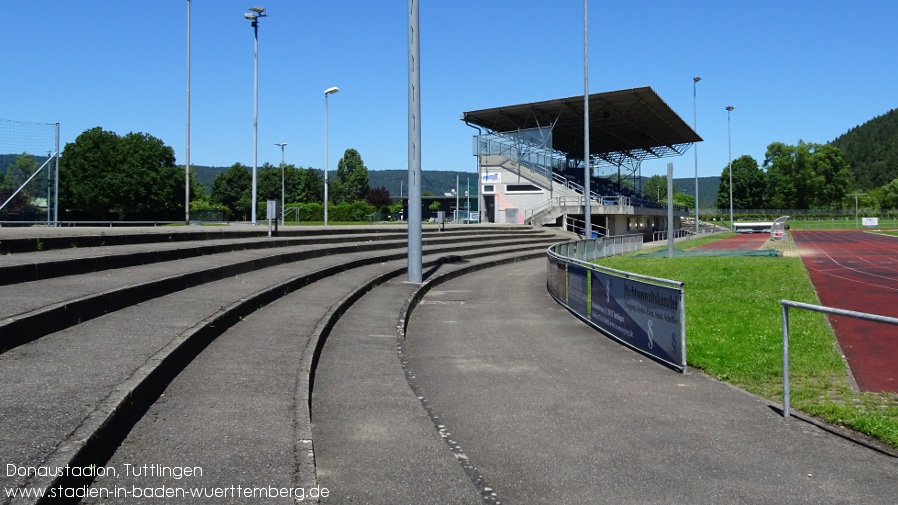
{"x":734,"y":333}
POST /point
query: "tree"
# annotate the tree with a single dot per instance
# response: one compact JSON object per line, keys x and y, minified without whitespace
{"x":656,"y":187}
{"x":378,"y":197}
{"x":233,"y":189}
{"x":749,"y":185}
{"x":135,"y":174}
{"x":805,"y":176}
{"x":309,"y":186}
{"x":16,"y":175}
{"x":351,"y":180}
{"x":890,"y":195}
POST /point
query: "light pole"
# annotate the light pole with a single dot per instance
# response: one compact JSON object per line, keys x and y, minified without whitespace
{"x":187,"y":160}
{"x":587,"y":170}
{"x":730,"y":108}
{"x":695,"y":146}
{"x":283,"y":167}
{"x":253,"y":16}
{"x":328,"y":91}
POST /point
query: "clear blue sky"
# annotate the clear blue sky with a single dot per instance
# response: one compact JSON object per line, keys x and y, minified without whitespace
{"x":797,"y":69}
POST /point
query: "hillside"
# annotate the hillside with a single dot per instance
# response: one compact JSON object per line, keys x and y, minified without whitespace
{"x":871,"y":150}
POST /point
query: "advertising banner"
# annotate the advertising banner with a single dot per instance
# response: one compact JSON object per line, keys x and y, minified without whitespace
{"x":578,"y":290}
{"x":643,"y":315}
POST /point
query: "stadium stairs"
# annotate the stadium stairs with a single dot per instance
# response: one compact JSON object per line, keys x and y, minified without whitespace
{"x":96,"y":327}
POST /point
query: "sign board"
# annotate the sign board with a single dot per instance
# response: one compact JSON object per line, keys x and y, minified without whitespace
{"x":870,"y":222}
{"x":489,"y":178}
{"x":272,"y":209}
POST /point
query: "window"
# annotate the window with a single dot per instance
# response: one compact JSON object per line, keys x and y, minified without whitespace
{"x":522,"y":188}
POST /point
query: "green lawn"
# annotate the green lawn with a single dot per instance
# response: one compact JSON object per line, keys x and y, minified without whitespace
{"x":734,"y":333}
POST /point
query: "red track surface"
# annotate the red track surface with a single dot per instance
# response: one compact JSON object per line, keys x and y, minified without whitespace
{"x":858,"y":271}
{"x":740,"y":241}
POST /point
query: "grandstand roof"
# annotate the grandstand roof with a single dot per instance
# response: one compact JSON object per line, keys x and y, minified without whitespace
{"x":624,"y":126}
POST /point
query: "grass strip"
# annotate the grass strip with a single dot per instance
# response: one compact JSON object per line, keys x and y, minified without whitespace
{"x":734,"y":333}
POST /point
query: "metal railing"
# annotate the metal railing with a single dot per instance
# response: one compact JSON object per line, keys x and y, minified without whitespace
{"x":816,"y":308}
{"x":602,"y":247}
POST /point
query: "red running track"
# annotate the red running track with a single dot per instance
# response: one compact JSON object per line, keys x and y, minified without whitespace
{"x":858,"y":271}
{"x":739,"y":241}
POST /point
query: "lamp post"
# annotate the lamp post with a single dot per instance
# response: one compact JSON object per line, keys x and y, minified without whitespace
{"x":187,"y":160}
{"x":587,"y":170}
{"x":695,"y":146}
{"x":328,"y":91}
{"x":254,"y":15}
{"x":282,"y":145}
{"x":730,"y":108}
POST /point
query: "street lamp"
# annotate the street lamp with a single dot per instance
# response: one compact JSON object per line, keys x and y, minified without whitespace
{"x":695,"y":146}
{"x":283,"y":167}
{"x":187,"y":161}
{"x":254,"y":15}
{"x":328,"y":91}
{"x":730,"y":108}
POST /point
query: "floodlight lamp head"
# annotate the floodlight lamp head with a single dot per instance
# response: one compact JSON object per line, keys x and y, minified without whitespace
{"x":331,"y":91}
{"x":249,"y":16}
{"x":258,"y":10}
{"x":730,"y":107}
{"x":696,"y":79}
{"x":281,"y":144}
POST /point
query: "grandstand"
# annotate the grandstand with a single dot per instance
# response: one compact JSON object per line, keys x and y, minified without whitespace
{"x":531,"y":167}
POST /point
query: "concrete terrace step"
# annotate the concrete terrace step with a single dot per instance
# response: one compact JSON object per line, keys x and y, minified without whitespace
{"x":31,"y":310}
{"x":78,"y":389}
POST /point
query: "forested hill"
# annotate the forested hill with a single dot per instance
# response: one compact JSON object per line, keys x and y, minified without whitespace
{"x":871,"y":150}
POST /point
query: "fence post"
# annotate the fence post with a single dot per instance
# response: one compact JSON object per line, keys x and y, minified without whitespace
{"x":785,"y":360}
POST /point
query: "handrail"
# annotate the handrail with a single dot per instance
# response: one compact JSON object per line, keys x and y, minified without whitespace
{"x":816,"y":308}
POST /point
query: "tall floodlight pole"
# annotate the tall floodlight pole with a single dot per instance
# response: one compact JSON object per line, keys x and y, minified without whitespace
{"x":187,"y":157}
{"x":587,"y":170}
{"x":253,"y":16}
{"x":415,"y":245}
{"x":730,"y":108}
{"x":283,"y":167}
{"x":328,"y":91}
{"x":695,"y":146}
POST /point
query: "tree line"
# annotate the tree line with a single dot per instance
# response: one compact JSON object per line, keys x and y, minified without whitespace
{"x":107,"y":176}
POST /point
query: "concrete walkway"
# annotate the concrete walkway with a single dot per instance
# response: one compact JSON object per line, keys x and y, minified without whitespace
{"x":550,"y":411}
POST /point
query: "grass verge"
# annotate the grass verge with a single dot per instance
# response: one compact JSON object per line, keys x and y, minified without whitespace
{"x":734,"y":333}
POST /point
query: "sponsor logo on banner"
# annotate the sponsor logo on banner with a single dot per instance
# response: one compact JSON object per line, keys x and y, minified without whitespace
{"x":492,"y":178}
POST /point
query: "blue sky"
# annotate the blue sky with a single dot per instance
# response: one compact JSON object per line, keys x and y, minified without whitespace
{"x":797,"y":69}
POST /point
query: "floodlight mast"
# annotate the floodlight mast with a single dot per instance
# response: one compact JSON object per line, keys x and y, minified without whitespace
{"x":257,"y":12}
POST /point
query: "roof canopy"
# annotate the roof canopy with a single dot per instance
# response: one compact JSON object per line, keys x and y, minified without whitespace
{"x":624,"y":126}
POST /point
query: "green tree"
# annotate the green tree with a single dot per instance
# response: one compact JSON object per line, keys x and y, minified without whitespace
{"x":351,"y":180}
{"x":309,"y":186}
{"x":890,"y":195}
{"x":135,"y":174}
{"x":806,"y":176}
{"x":16,"y":174}
{"x":749,"y":185}
{"x":233,"y":189}
{"x":656,"y":187}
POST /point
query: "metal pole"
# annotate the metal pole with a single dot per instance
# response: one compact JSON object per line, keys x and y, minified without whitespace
{"x":785,"y":360}
{"x":255,"y":111}
{"x":56,"y":181}
{"x":328,"y":91}
{"x":187,"y":156}
{"x":695,"y":146}
{"x":283,"y":190}
{"x":587,"y":172}
{"x":730,"y":165}
{"x":415,"y":244}
{"x":670,"y":237}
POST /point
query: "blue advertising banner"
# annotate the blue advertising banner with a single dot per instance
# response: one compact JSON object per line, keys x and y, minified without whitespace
{"x":642,"y":315}
{"x":578,"y":292}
